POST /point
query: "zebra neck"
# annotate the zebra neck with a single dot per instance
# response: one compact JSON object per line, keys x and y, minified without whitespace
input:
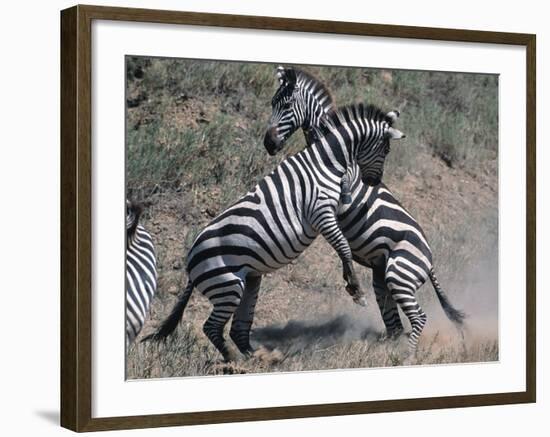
{"x":348,"y":135}
{"x":131,"y":234}
{"x":335,"y":159}
{"x":315,"y":104}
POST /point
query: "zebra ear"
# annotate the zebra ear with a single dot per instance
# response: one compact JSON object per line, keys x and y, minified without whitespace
{"x":281,"y":74}
{"x":393,"y":115}
{"x":290,"y":75}
{"x":395,"y":134}
{"x":286,"y":76}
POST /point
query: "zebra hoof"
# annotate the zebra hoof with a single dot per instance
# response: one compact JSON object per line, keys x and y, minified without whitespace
{"x":361,"y":301}
{"x":269,"y":356}
{"x":387,"y":336}
{"x":229,"y":356}
{"x":410,"y":360}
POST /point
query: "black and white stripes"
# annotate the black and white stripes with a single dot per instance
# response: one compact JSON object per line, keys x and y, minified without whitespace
{"x":381,"y":233}
{"x":276,"y":221}
{"x":141,"y":272}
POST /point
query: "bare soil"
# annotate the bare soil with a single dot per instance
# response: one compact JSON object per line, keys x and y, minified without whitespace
{"x":304,"y":319}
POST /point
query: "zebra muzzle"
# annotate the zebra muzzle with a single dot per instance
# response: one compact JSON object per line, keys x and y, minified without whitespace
{"x":357,"y":294}
{"x":271,"y":145}
{"x":345,"y":198}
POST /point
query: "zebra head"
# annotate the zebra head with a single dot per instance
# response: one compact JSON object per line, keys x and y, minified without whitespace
{"x":300,"y":101}
{"x":286,"y":115}
{"x":375,"y":147}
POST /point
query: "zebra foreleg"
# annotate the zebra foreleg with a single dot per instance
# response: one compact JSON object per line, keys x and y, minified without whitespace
{"x":327,"y":225}
{"x":244,"y":316}
{"x":345,"y":187}
{"x":353,"y":287}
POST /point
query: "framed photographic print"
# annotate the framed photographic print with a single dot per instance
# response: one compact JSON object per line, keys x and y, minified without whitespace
{"x":338,"y":218}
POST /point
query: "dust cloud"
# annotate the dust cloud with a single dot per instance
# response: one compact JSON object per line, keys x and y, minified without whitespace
{"x":476,"y":295}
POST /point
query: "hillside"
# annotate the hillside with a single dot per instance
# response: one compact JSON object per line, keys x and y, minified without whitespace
{"x":194,"y":146}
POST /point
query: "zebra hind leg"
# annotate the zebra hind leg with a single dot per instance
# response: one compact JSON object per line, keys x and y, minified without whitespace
{"x":418,"y":321}
{"x":244,"y":316}
{"x":403,"y":292}
{"x":225,"y":300}
{"x":387,"y":305}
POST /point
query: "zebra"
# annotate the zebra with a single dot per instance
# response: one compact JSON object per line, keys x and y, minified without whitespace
{"x":381,"y":233}
{"x":141,"y":272}
{"x":277,"y":220}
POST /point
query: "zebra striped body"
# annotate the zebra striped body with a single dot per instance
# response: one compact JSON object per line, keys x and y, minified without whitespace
{"x":141,"y":272}
{"x":275,"y":222}
{"x":386,"y":238}
{"x":381,"y":233}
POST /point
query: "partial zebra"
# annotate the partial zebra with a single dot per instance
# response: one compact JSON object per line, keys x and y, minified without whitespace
{"x":381,"y":233}
{"x":275,"y":222}
{"x":141,"y":272}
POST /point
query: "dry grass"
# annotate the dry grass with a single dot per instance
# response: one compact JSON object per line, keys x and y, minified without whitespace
{"x":195,"y":146}
{"x":309,"y":327}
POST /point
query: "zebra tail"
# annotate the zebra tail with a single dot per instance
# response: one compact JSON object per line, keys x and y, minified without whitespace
{"x":452,"y":313}
{"x":171,"y":322}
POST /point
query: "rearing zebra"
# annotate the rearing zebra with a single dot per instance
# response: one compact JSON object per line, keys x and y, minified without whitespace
{"x":381,"y":233}
{"x":141,"y":272}
{"x":276,"y":221}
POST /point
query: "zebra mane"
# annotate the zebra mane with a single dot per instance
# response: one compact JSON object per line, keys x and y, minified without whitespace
{"x":338,"y":116}
{"x":308,"y":76}
{"x":291,"y":76}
